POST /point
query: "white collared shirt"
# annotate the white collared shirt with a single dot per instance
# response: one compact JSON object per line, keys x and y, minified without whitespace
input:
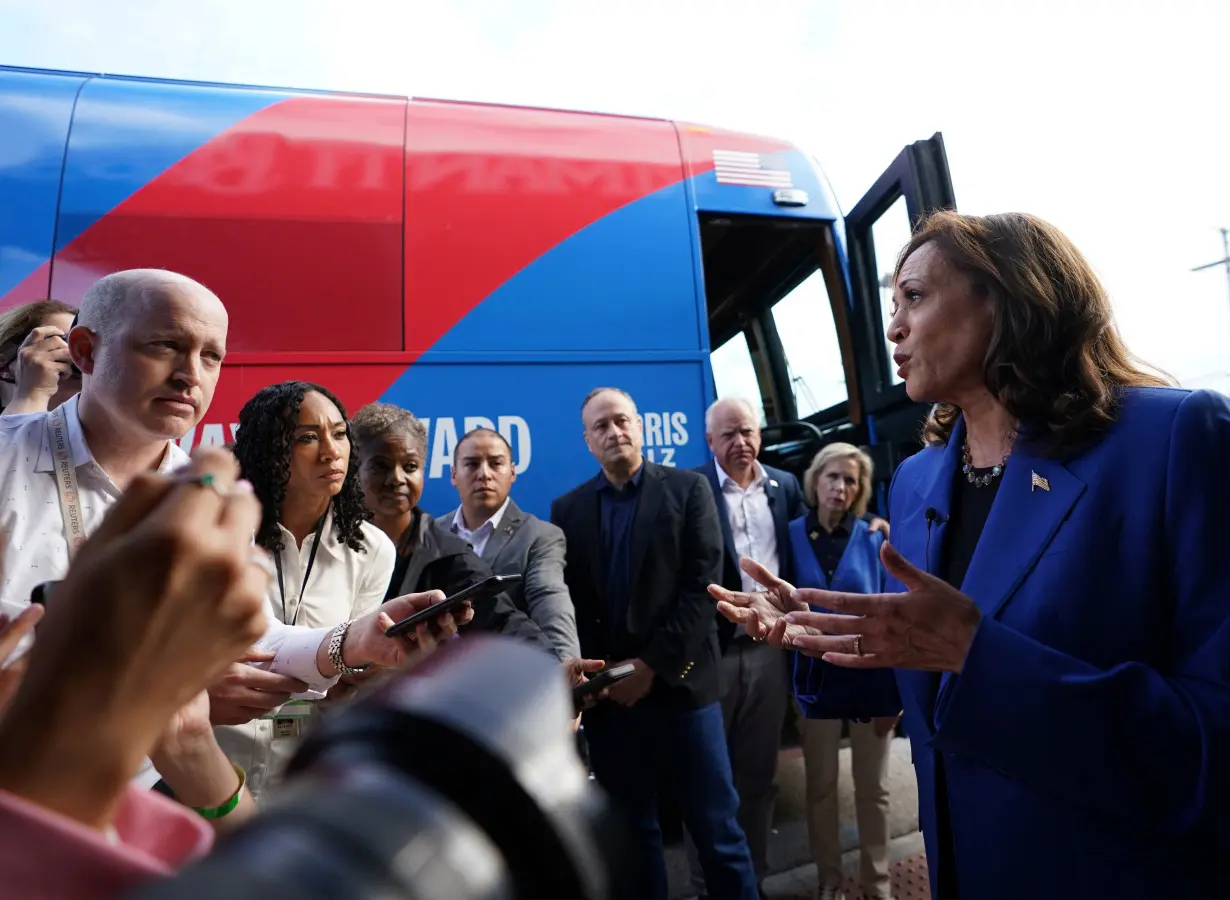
{"x":36,"y":549}
{"x":30,"y":520}
{"x":479,"y":536}
{"x":751,"y":522}
{"x":343,"y":585}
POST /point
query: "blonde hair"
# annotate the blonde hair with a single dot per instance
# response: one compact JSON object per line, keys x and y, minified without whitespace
{"x":834,"y":452}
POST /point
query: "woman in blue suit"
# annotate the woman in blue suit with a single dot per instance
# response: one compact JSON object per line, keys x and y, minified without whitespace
{"x":1061,"y":631}
{"x":834,"y":549}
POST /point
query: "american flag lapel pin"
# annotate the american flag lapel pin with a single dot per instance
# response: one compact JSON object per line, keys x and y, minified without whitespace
{"x":1037,"y":482}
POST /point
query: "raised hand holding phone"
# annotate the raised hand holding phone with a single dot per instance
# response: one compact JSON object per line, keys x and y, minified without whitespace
{"x":480,"y":590}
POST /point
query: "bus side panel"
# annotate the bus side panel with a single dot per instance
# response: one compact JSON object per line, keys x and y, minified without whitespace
{"x":35,"y":111}
{"x":491,"y":189}
{"x":288,"y":206}
{"x":536,"y":406}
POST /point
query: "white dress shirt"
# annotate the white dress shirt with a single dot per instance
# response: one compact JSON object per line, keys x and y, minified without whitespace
{"x":344,"y":584}
{"x":479,"y":536}
{"x":751,"y":522}
{"x":36,"y":550}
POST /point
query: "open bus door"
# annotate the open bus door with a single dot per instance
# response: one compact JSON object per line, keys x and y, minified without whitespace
{"x":914,"y":185}
{"x":826,"y":377}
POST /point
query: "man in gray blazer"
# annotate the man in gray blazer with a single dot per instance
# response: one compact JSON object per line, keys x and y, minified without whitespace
{"x":510,"y":541}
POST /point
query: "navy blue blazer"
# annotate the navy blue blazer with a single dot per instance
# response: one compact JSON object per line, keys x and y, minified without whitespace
{"x":786,"y":502}
{"x":1086,"y":743}
{"x":825,"y":691}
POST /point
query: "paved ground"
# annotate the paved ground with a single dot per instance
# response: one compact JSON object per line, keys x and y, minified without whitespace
{"x":789,"y":859}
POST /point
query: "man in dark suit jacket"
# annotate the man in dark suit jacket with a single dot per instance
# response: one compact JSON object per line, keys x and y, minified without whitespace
{"x":755,"y":505}
{"x":644,"y":543}
{"x":509,"y":540}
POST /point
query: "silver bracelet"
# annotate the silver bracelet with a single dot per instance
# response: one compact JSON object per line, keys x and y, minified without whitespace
{"x":336,"y":638}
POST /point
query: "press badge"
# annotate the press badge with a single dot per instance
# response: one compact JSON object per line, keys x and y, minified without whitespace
{"x":287,"y":718}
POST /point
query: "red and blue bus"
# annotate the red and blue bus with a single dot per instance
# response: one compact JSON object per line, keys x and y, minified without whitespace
{"x":477,"y":264}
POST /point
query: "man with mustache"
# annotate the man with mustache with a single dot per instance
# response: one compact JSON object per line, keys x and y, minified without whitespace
{"x":643,"y":544}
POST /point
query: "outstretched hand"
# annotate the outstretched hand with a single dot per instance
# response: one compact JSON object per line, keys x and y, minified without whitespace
{"x":762,"y":613}
{"x":928,"y":627}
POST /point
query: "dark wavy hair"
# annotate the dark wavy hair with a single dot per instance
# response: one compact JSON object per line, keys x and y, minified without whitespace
{"x":267,"y":425}
{"x":1055,"y":359}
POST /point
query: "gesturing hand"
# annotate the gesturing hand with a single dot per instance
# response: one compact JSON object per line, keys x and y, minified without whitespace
{"x":929,"y":627}
{"x":761,"y":613}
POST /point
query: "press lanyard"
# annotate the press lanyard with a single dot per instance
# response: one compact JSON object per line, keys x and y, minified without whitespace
{"x":277,"y":561}
{"x":66,"y":480}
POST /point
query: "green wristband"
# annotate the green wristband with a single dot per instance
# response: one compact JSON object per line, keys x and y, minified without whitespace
{"x":218,"y":812}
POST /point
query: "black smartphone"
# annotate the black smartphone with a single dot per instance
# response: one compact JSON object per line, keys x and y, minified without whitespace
{"x":603,"y":679}
{"x":480,"y":590}
{"x":42,"y":592}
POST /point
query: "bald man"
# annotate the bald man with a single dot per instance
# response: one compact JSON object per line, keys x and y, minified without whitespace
{"x":149,"y":344}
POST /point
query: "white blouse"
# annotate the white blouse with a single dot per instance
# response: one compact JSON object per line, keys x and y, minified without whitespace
{"x":343,"y":585}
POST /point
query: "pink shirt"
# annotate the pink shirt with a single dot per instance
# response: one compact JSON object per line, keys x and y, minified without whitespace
{"x":44,"y":854}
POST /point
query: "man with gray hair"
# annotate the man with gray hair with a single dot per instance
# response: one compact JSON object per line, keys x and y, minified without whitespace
{"x":149,"y":344}
{"x":755,"y":505}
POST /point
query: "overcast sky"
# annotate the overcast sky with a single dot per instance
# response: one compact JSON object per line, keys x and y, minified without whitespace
{"x":1111,"y":124}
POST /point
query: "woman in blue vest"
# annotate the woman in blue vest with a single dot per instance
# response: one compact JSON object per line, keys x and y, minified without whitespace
{"x":834,"y":550}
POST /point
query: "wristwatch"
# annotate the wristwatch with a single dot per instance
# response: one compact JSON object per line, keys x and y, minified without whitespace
{"x":336,"y":638}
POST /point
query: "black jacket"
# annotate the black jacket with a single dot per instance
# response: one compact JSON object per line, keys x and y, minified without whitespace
{"x":442,"y":561}
{"x":676,"y":555}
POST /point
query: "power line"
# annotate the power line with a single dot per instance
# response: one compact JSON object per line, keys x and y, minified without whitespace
{"x":1225,"y":260}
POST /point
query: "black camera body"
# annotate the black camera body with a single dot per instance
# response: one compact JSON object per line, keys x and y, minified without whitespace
{"x":457,"y":780}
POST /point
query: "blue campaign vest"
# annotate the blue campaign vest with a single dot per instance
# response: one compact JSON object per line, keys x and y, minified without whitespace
{"x":825,"y":691}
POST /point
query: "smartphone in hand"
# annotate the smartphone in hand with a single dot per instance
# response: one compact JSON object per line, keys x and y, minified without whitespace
{"x":480,"y":590}
{"x":599,"y":682}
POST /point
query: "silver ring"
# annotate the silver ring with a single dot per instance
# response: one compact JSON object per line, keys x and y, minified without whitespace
{"x":858,"y":644}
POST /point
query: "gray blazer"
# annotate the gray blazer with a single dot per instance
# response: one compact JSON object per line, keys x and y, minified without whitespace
{"x":526,"y":545}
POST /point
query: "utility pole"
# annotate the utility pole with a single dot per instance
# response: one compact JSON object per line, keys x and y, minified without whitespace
{"x":1225,"y":260}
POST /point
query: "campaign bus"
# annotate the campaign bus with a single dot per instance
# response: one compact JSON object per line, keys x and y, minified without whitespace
{"x":478,"y":264}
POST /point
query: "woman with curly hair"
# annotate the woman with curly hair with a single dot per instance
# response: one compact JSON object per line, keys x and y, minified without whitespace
{"x":1057,"y":606}
{"x":332,"y":565}
{"x":392,"y":447}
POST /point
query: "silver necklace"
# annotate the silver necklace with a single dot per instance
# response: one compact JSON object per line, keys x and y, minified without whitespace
{"x":967,"y":465}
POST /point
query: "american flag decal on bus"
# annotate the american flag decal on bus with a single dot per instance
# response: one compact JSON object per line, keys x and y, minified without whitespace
{"x":741,"y":167}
